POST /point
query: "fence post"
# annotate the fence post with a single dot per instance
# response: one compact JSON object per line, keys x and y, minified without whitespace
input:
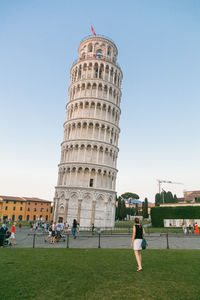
{"x":167,"y":240}
{"x":68,"y":240}
{"x":99,"y":245}
{"x":34,"y":240}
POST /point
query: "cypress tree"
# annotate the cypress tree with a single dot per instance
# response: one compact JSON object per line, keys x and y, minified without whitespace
{"x":123,"y":210}
{"x":175,"y":199}
{"x":157,"y":199}
{"x":146,"y":215}
{"x":119,"y":208}
{"x":168,"y":197}
{"x":143,"y":209}
{"x":136,"y":209}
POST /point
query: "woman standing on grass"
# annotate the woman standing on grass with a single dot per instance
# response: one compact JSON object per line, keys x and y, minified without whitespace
{"x":136,"y":243}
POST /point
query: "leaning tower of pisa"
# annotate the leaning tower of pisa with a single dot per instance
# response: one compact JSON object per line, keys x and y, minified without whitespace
{"x":88,"y":167}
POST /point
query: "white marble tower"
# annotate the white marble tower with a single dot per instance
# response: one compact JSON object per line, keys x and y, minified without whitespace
{"x":87,"y":171}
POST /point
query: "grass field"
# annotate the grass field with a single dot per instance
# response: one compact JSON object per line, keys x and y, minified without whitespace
{"x":147,"y":230}
{"x":98,"y":274}
{"x":129,"y":223}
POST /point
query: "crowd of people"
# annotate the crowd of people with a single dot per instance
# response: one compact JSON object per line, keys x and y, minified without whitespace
{"x":56,"y":230}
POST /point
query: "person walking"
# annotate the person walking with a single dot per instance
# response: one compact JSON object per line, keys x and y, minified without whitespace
{"x":20,"y":226}
{"x":93,"y":228}
{"x":59,"y":229}
{"x":74,"y":226}
{"x":136,"y":243}
{"x":53,"y":233}
{"x":12,"y":237}
{"x":196,"y":229}
{"x":50,"y":233}
{"x":78,"y":228}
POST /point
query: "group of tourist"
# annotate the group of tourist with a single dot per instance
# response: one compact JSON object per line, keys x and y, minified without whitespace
{"x":56,"y":230}
{"x":190,"y":229}
{"x":7,"y":238}
{"x":43,"y":226}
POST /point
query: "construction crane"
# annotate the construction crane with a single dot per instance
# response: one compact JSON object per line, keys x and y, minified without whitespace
{"x":165,"y":181}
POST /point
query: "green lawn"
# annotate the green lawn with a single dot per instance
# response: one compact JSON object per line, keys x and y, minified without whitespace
{"x":147,"y":230}
{"x":129,"y":223}
{"x":98,"y":274}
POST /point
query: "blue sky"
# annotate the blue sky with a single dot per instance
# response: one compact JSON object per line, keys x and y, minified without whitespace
{"x":159,"y":46}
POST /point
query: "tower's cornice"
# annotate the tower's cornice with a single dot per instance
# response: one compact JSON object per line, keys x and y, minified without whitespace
{"x":91,"y":119}
{"x":98,"y":37}
{"x":92,"y":99}
{"x":89,"y":141}
{"x":93,"y":58}
{"x":89,"y":165}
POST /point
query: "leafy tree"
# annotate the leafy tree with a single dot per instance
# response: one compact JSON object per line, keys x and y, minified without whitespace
{"x":165,"y":197}
{"x":130,"y":195}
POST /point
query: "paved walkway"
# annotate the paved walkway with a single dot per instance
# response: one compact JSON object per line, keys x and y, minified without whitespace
{"x":120,"y":241}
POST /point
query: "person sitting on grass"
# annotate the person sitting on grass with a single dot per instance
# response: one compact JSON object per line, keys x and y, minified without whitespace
{"x":136,"y":243}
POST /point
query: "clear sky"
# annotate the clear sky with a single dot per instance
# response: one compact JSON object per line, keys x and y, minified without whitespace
{"x":159,"y":53}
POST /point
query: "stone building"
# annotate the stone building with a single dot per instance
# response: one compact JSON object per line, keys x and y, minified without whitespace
{"x":88,"y":168}
{"x":191,"y":196}
{"x":24,"y":209}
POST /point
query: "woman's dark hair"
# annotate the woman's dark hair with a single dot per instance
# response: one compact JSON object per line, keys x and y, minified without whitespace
{"x":137,"y":221}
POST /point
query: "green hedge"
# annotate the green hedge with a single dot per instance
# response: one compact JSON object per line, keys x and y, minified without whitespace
{"x":158,"y":214}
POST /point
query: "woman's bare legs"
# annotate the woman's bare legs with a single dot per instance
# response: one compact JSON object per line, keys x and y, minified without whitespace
{"x":138,"y":259}
{"x":140,"y":256}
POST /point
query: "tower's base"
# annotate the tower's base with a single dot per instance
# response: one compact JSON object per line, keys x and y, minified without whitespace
{"x":87,"y":206}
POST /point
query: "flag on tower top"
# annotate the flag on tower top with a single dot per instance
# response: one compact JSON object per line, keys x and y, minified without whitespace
{"x":93,"y":31}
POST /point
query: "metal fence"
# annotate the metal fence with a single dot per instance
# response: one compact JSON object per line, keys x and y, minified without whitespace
{"x":104,"y":238}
